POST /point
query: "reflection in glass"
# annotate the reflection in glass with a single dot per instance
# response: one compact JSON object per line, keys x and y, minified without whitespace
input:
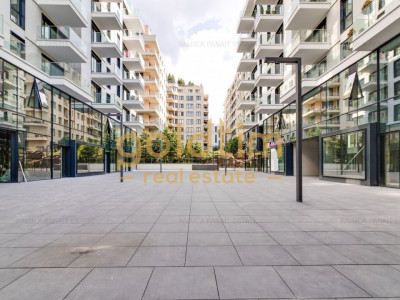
{"x":392,"y":160}
{"x":90,"y":159}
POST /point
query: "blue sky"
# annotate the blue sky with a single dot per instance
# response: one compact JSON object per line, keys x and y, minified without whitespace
{"x":198,"y":40}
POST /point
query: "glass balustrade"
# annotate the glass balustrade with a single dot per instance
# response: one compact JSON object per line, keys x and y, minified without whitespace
{"x":106,"y":68}
{"x":105,"y":98}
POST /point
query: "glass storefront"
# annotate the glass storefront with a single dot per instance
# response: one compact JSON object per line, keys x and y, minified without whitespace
{"x":5,"y":156}
{"x":344,"y":155}
{"x":391,"y":160}
{"x":90,"y":159}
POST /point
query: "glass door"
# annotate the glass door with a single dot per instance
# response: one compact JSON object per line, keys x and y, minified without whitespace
{"x":392,"y":160}
{"x":5,"y":156}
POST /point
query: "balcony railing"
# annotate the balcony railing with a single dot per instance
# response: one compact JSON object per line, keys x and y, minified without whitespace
{"x":132,"y":76}
{"x":246,"y":36}
{"x":269,"y":39}
{"x":103,"y":98}
{"x":103,"y":7}
{"x":134,"y":119}
{"x":81,"y":8}
{"x":308,"y":36}
{"x":272,"y":99}
{"x":268,"y":69}
{"x":1,"y":25}
{"x":131,"y":97}
{"x":106,"y":68}
{"x":133,"y":54}
{"x":371,"y":14}
{"x":128,"y":33}
{"x":63,"y":33}
{"x":100,"y":37}
{"x":296,"y":3}
{"x":15,"y":47}
{"x":267,"y":10}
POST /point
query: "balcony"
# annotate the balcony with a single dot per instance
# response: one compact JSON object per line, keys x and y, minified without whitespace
{"x":246,"y":23}
{"x":369,"y":82}
{"x":62,"y":43}
{"x":104,"y":46}
{"x":269,"y":45}
{"x":269,"y":18}
{"x":246,"y":103}
{"x":245,"y":82}
{"x":152,"y":98}
{"x":247,"y":63}
{"x":265,"y":2}
{"x":369,"y":64}
{"x":107,"y":16}
{"x":133,"y":22}
{"x":310,"y":45}
{"x":133,"y":40}
{"x":268,"y":104}
{"x":133,"y":61}
{"x":66,"y":12}
{"x":133,"y":102}
{"x":248,"y":122}
{"x":107,"y":103}
{"x":67,"y":79}
{"x":153,"y":124}
{"x":306,"y":14}
{"x":106,"y":74}
{"x":312,"y":111}
{"x":134,"y":122}
{"x":269,"y":75}
{"x":377,"y":23}
{"x":133,"y":81}
{"x":246,"y":42}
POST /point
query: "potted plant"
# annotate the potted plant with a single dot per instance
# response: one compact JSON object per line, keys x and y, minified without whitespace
{"x":365,"y":5}
{"x":350,"y":33}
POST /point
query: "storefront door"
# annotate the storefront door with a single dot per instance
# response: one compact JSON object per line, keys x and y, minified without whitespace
{"x":391,"y":176}
{"x":5,"y":156}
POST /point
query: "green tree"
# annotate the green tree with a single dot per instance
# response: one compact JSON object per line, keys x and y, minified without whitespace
{"x":190,"y":83}
{"x":172,"y":137}
{"x":233,"y":146}
{"x":181,"y":81}
{"x":171,"y":78}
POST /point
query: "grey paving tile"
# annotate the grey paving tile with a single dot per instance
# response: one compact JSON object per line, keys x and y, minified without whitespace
{"x":11,"y":255}
{"x":317,"y":255}
{"x":395,"y":249}
{"x":58,"y":228}
{"x":113,"y":283}
{"x":209,"y":239}
{"x":159,"y":257}
{"x":212,"y":256}
{"x":175,"y":227}
{"x":270,"y":227}
{"x":206,"y":227}
{"x":182,"y":283}
{"x":122,"y":239}
{"x":250,"y":282}
{"x":47,"y":257}
{"x":32,"y":240}
{"x":5,"y":237}
{"x":243,"y":227}
{"x":76,"y":240}
{"x":294,"y":238}
{"x":378,"y":281}
{"x":165,"y":239}
{"x":103,"y":256}
{"x":367,"y":254}
{"x":135,"y":219}
{"x":9,"y":275}
{"x":315,"y":226}
{"x":133,"y":228}
{"x":379,"y":238}
{"x":265,"y":256}
{"x":252,"y":239}
{"x":338,"y":238}
{"x":318,"y":282}
{"x":94,"y":228}
{"x":44,"y":284}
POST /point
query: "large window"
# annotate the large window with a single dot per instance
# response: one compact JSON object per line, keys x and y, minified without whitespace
{"x":18,"y":12}
{"x":346,"y":14}
{"x":90,"y":159}
{"x":344,"y":155}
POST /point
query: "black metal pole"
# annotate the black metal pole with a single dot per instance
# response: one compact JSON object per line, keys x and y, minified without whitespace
{"x":299,"y":139}
{"x":226,"y":147}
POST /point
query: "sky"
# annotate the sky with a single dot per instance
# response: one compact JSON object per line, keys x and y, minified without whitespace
{"x":198,"y":40}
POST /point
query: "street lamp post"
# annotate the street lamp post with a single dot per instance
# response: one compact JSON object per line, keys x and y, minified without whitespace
{"x":121,"y":127}
{"x":299,"y":121}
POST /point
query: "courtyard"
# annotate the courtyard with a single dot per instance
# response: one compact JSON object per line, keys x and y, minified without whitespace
{"x":97,"y":238}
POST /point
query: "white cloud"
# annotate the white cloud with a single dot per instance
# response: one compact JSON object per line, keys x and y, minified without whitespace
{"x":198,"y":40}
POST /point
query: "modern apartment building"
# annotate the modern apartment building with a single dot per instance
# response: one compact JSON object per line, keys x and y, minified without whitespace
{"x":350,"y":51}
{"x":188,"y":106}
{"x":154,"y":112}
{"x":71,"y":71}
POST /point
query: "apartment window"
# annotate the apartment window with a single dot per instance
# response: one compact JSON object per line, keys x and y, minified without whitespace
{"x":198,"y":105}
{"x":181,"y":105}
{"x":198,"y":97}
{"x":189,"y":98}
{"x":17,"y":45}
{"x":189,"y":114}
{"x":397,"y":113}
{"x":181,"y":98}
{"x":198,"y":121}
{"x":189,"y":130}
{"x":397,"y":89}
{"x":198,"y":113}
{"x":347,"y":48}
{"x":17,"y":14}
{"x":346,"y":14}
{"x":190,"y":91}
{"x":189,"y":106}
{"x":396,"y":68}
{"x":197,"y":91}
{"x":181,"y":114}
{"x":180,"y":121}
{"x":189,"y":122}
{"x":198,"y":129}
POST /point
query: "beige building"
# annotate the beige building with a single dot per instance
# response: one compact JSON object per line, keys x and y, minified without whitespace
{"x":188,"y":106}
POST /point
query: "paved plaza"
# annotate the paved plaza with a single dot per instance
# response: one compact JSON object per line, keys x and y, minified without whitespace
{"x":95,"y":238}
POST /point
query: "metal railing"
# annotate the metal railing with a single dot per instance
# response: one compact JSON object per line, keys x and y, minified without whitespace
{"x":104,"y":98}
{"x":106,"y":68}
{"x":307,"y":36}
{"x":103,"y":7}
